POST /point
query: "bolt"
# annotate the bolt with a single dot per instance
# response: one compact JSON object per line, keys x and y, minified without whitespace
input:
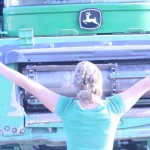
{"x":7,"y":128}
{"x":22,"y":131}
{"x":14,"y":130}
{"x":109,"y":43}
{"x":51,"y":45}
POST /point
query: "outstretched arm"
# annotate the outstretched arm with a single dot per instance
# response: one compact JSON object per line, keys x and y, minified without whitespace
{"x":47,"y":97}
{"x":133,"y":94}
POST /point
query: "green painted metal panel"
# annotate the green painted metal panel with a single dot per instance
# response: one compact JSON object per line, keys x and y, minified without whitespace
{"x":4,"y":96}
{"x":51,"y":19}
{"x":129,"y":123}
{"x":52,"y":40}
{"x":11,"y":114}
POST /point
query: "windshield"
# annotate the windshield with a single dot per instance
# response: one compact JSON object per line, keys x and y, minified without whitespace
{"x":9,"y":3}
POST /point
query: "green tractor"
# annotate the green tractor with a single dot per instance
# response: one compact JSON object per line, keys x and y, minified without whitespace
{"x":45,"y":39}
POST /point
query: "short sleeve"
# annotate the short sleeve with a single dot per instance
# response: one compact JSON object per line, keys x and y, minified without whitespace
{"x":116,"y":104}
{"x":63,"y":105}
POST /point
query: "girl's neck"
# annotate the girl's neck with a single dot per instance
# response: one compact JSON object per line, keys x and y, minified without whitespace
{"x":89,"y":106}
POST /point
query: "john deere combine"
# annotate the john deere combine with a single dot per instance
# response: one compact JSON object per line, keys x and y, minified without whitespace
{"x":45,"y":39}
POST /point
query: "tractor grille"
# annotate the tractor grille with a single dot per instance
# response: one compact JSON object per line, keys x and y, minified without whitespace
{"x":58,"y":78}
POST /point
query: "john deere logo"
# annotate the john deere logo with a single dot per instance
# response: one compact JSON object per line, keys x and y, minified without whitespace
{"x":90,"y":19}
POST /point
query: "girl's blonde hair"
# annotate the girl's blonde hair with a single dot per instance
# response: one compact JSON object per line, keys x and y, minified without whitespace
{"x":87,"y":81}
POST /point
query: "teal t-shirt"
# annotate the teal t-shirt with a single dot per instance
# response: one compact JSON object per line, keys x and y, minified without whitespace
{"x":92,"y":129}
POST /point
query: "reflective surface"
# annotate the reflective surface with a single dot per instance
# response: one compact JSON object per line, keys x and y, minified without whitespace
{"x":9,"y":3}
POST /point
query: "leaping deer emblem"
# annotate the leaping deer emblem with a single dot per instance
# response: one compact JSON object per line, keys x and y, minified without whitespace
{"x":90,"y":20}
